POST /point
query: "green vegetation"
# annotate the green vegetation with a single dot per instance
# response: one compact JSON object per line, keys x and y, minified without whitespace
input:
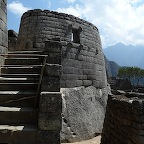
{"x":134,"y":74}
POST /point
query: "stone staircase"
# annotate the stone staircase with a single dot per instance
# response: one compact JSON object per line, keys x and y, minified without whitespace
{"x":18,"y":90}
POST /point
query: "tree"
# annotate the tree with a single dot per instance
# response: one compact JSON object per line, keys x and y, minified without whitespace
{"x":134,"y":74}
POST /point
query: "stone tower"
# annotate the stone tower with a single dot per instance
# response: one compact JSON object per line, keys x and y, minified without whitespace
{"x":3,"y":28}
{"x":83,"y":81}
{"x":82,"y":56}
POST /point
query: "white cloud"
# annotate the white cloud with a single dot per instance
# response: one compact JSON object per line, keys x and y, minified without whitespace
{"x":69,"y":1}
{"x":117,"y":20}
{"x":134,"y":1}
{"x":71,"y":10}
{"x":17,"y":8}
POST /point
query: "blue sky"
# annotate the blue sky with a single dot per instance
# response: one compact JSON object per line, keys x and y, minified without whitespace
{"x":117,"y":20}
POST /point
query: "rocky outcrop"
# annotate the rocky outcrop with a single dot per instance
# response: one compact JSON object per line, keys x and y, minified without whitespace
{"x":83,"y":112}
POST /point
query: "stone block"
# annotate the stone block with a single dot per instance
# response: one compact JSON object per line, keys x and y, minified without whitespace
{"x":68,"y":70}
{"x":71,"y":77}
{"x":3,"y":26}
{"x":53,"y":58}
{"x":62,"y":83}
{"x":3,"y":16}
{"x":52,"y":70}
{"x":51,"y":102}
{"x":82,"y":77}
{"x":73,"y":83}
{"x":92,"y":77}
{"x":48,"y":137}
{"x":87,"y":82}
{"x":78,"y":71}
{"x":50,"y":84}
{"x":53,"y":46}
{"x":49,"y":121}
{"x":5,"y":39}
{"x":79,"y":83}
{"x":88,"y":72}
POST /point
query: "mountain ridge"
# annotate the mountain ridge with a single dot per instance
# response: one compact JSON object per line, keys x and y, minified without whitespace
{"x":125,"y":55}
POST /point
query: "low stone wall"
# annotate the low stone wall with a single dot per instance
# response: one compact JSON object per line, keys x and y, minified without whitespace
{"x":124,"y":120}
{"x":50,"y":105}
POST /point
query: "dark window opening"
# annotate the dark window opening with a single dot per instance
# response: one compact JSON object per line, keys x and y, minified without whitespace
{"x":75,"y":37}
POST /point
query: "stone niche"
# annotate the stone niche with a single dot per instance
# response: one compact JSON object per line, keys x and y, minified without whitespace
{"x":83,"y":80}
{"x":124,"y":120}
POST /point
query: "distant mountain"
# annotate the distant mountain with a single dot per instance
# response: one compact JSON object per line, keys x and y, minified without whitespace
{"x":111,"y":68}
{"x":125,"y":55}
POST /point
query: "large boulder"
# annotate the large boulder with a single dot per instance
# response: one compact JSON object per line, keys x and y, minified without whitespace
{"x":83,"y":112}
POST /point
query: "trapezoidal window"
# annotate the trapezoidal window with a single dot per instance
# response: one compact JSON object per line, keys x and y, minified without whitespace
{"x":75,"y":36}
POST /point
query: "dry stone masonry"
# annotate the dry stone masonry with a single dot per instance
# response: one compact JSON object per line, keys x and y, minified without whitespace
{"x":124,"y":120}
{"x":3,"y":29}
{"x":82,"y":57}
{"x":83,"y":81}
{"x":50,"y":104}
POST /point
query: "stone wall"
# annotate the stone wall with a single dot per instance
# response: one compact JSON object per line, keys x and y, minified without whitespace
{"x":50,"y":104}
{"x":3,"y":29}
{"x":83,"y":82}
{"x":82,"y":61}
{"x":124,"y":120}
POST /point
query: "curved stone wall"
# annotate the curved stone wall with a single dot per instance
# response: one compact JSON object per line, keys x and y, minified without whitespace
{"x":3,"y":29}
{"x":82,"y":57}
{"x":83,"y":80}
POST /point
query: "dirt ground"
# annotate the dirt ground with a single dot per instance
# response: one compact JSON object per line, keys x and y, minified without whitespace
{"x":95,"y":140}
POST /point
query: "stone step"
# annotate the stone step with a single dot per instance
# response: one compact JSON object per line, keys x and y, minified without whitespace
{"x":17,"y":98}
{"x":21,"y":70}
{"x":23,"y":61}
{"x":20,"y":75}
{"x":18,"y":80}
{"x":25,"y":52}
{"x":18,"y":115}
{"x":22,"y":134}
{"x":18,"y":86}
{"x":20,"y":66}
